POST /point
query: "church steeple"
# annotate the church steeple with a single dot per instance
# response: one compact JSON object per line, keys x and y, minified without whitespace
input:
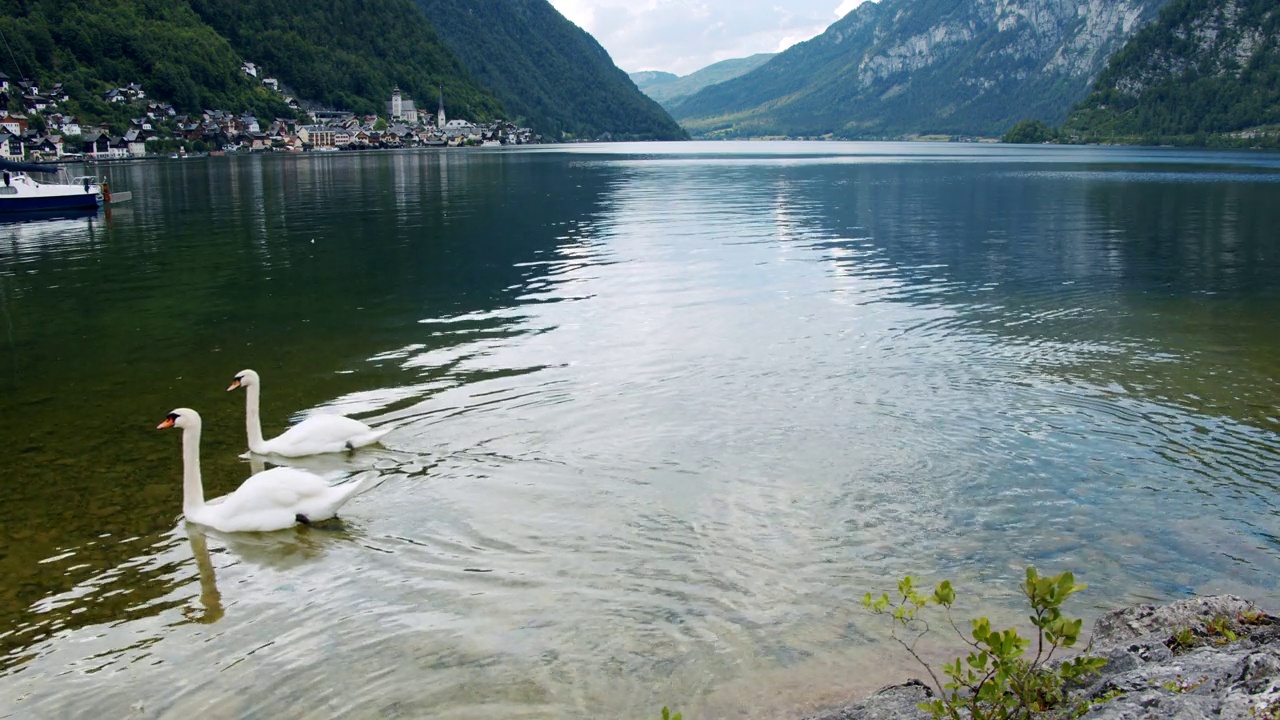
{"x":440,"y":111}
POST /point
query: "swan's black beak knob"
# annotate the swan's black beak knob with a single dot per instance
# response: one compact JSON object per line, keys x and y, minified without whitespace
{"x":234,"y":384}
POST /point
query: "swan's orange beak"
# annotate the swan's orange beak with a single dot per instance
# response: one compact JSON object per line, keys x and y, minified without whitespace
{"x":234,"y":384}
{"x":166,"y":423}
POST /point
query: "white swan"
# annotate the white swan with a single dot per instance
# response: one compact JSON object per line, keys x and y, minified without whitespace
{"x":313,"y":436}
{"x":274,"y":499}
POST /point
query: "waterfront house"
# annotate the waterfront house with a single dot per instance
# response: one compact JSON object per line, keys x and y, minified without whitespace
{"x":317,"y":136}
{"x":135,"y":142}
{"x":48,"y":147}
{"x":119,"y":148}
{"x":96,"y":144}
{"x":8,"y":146}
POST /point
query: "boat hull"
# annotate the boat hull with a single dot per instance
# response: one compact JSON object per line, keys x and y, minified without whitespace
{"x":44,"y":203}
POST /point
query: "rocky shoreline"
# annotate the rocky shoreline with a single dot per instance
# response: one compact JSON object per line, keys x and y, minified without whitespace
{"x":1211,"y":657}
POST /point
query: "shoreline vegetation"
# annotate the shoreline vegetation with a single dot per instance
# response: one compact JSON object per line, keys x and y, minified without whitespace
{"x":1037,"y":132}
{"x":1216,"y":656}
{"x":1212,"y":656}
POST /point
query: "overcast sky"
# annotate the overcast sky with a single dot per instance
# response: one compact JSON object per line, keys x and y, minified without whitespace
{"x":681,"y":36}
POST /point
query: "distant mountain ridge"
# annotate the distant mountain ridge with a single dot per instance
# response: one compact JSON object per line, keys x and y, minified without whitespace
{"x":669,"y":88}
{"x":649,"y":78}
{"x":548,"y":71}
{"x":1204,"y":68}
{"x":969,"y":67}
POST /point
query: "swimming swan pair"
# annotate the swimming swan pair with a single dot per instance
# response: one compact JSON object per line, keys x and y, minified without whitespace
{"x":278,"y":498}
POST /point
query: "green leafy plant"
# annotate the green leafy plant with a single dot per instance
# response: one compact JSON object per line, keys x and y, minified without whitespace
{"x":1184,"y":638}
{"x":1253,"y":617}
{"x":666,"y":714}
{"x":997,"y":680}
{"x":1219,"y":627}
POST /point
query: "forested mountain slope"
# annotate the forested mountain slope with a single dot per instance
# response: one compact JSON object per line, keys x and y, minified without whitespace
{"x":95,"y":45}
{"x":547,"y":71}
{"x":1205,"y":67}
{"x":350,"y":53}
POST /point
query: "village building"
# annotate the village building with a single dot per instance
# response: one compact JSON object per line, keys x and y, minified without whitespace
{"x":317,"y":135}
{"x":10,"y":146}
{"x":14,"y":123}
{"x":400,"y":108}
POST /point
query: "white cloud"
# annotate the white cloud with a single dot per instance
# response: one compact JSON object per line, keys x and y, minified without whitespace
{"x":681,"y":36}
{"x":847,"y":7}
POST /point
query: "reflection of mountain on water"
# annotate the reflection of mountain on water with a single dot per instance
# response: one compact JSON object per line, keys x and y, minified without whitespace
{"x":1152,"y":287}
{"x":297,"y":267}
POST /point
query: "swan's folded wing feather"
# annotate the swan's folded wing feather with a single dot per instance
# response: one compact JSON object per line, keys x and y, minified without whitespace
{"x":322,"y":430}
{"x":279,"y":488}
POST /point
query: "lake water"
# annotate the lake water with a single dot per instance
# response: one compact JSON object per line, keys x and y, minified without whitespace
{"x":663,"y":413}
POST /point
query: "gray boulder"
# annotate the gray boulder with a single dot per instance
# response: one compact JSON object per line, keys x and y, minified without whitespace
{"x":895,"y":702}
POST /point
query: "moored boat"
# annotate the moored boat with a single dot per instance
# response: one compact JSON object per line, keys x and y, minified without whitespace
{"x":21,"y":192}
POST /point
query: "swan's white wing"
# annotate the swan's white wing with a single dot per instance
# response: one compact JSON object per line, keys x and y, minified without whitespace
{"x":320,"y":434}
{"x":273,"y":499}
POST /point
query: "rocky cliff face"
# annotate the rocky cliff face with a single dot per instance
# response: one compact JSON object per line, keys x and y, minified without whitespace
{"x":899,"y":66}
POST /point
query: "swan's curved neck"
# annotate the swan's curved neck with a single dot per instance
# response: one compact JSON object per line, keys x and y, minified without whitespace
{"x":252,"y":422}
{"x":192,"y":487}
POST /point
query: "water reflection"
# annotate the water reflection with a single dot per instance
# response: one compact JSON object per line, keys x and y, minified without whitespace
{"x":210,"y":601}
{"x":223,"y":265}
{"x":659,"y":420}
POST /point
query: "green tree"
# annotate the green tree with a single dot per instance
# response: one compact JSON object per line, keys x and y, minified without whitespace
{"x":1030,"y":132}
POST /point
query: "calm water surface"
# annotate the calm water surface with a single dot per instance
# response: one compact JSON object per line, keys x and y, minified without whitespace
{"x":662,"y":414}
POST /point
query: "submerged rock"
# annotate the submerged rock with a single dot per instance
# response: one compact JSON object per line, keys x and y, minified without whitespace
{"x":1211,"y":657}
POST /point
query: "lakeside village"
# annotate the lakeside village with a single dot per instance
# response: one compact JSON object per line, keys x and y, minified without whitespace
{"x":41,"y":132}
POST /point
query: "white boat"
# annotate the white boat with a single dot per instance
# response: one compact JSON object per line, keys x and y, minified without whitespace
{"x":54,"y":190}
